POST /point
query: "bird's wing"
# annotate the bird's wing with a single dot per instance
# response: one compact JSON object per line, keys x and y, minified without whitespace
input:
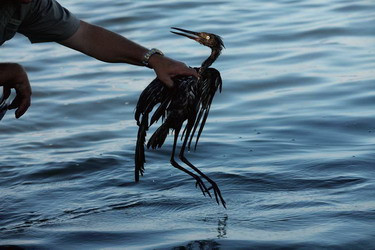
{"x":210,"y":83}
{"x":153,"y":94}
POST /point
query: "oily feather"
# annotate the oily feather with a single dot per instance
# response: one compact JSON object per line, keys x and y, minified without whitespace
{"x":184,"y":101}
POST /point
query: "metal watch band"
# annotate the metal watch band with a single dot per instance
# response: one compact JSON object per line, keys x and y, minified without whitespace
{"x":148,"y":54}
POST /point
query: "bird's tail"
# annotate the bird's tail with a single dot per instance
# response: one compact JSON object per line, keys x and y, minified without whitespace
{"x":139,"y":149}
{"x":159,"y":136}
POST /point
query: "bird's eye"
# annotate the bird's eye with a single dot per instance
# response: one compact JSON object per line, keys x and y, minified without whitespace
{"x":208,"y":37}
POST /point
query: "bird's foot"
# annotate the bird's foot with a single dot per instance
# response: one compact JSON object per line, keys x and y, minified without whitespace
{"x":199,"y":183}
{"x":219,"y":198}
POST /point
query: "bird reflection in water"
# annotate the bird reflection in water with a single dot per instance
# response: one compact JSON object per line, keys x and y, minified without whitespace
{"x":210,"y":243}
{"x":222,"y":227}
{"x":189,"y":100}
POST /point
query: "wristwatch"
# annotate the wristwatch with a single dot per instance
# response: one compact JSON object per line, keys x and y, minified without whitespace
{"x":148,"y":54}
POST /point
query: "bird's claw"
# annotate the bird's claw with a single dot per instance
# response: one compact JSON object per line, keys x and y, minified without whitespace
{"x":218,"y":197}
{"x":202,"y":187}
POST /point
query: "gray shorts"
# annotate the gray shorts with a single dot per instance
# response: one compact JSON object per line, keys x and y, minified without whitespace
{"x":40,"y":21}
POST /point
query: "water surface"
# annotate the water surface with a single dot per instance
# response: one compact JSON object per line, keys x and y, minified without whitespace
{"x":290,"y":140}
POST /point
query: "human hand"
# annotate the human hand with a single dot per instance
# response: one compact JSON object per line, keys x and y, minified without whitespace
{"x":166,"y":68}
{"x":13,"y":76}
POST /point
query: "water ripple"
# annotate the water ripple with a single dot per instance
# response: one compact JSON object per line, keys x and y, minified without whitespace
{"x":290,"y":140}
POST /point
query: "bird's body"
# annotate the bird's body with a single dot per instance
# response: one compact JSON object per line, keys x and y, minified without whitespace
{"x":189,"y":100}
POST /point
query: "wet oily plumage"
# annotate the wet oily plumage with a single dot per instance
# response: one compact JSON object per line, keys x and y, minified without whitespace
{"x":189,"y":100}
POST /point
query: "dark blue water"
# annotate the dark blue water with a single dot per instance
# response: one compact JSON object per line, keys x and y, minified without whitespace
{"x":290,"y":141}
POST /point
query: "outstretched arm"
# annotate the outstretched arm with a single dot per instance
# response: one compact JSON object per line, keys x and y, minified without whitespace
{"x":108,"y":46}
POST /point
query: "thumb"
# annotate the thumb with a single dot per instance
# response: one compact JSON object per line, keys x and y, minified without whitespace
{"x":168,"y":82}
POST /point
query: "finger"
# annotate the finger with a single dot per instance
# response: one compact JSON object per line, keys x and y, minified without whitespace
{"x":194,"y":72}
{"x":15,"y":103}
{"x":22,"y":100}
{"x":21,"y":103}
{"x":6,"y":94}
{"x":23,"y":107}
{"x":189,"y":72}
{"x":168,"y":82}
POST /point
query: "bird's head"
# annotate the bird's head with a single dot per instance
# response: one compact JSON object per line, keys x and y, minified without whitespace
{"x":207,"y":39}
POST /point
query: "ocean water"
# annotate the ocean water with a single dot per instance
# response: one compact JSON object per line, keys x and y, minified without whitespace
{"x":290,"y":140}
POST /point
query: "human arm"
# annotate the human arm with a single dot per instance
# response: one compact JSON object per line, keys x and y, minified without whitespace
{"x":13,"y":76}
{"x":108,"y":46}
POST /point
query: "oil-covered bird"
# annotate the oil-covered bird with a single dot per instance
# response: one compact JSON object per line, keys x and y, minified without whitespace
{"x":189,"y":100}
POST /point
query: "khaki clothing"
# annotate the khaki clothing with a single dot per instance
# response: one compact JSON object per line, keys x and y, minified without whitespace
{"x":40,"y":21}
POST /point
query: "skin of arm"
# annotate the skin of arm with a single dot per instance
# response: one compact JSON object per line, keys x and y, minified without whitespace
{"x":110,"y":47}
{"x":101,"y":44}
{"x":12,"y":75}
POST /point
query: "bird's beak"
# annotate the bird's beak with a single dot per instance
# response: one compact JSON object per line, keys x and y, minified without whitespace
{"x":195,"y":37}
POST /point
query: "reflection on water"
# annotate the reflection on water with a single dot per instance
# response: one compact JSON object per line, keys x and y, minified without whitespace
{"x":290,"y":140}
{"x":199,"y":244}
{"x":222,"y":227}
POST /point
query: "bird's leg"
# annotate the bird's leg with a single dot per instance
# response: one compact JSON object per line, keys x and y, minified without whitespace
{"x":195,"y":127}
{"x":214,"y":186}
{"x":199,"y":181}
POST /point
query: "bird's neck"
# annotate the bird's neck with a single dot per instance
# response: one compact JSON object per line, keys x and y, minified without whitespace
{"x":215,"y":53}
